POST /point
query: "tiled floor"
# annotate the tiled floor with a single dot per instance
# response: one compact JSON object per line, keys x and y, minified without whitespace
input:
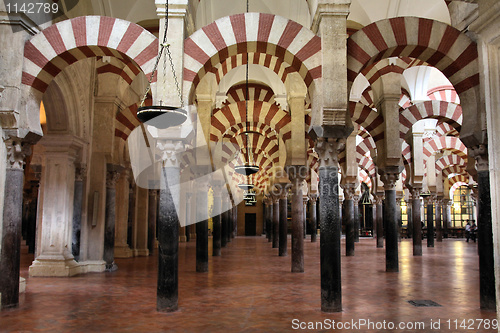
{"x":250,"y":289}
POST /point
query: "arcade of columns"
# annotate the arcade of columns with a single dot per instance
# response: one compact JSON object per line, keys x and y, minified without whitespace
{"x":78,"y":178}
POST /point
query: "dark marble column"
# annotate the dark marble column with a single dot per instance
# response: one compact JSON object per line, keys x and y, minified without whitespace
{"x":379,"y":220}
{"x":230,"y":216}
{"x":224,"y":227}
{"x":331,"y":229}
{"x":312,"y":217}
{"x":391,"y":220}
{"x":485,"y":230}
{"x":430,"y":221}
{"x":113,"y":172}
{"x":276,"y":221}
{"x":10,"y":255}
{"x":235,"y":222}
{"x":152,"y":217}
{"x":305,"y":200}
{"x":296,"y":178}
{"x":168,"y":243}
{"x":131,"y":241}
{"x":202,"y":229}
{"x":216,"y":221}
{"x":349,"y":219}
{"x":417,"y":225}
{"x":356,"y":216}
{"x":283,"y":225}
{"x":409,"y":229}
{"x":80,"y":175}
{"x":269,"y":218}
{"x":439,"y":228}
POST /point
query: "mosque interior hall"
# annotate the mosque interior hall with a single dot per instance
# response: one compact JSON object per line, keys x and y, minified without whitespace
{"x":249,"y":165}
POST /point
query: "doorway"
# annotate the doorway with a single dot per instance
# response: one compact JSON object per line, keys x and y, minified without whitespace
{"x":250,"y":224}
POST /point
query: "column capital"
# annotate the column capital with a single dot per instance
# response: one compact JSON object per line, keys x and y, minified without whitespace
{"x":356,"y":198}
{"x":415,"y":192}
{"x":389,"y":179}
{"x":17,"y":150}
{"x":328,"y":151}
{"x":429,"y":200}
{"x":305,"y":199}
{"x":296,"y":174}
{"x":378,"y":199}
{"x":313,"y":197}
{"x":349,"y":191}
{"x":480,"y":154}
{"x":170,"y":152}
{"x":81,"y":172}
{"x":112,"y":174}
{"x":447,"y":202}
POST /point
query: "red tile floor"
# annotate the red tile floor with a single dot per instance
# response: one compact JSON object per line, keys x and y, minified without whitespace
{"x":250,"y":289}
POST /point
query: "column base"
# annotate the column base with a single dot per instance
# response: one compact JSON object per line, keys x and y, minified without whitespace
{"x":94,"y":266}
{"x":183,"y":239}
{"x":22,"y":285}
{"x":141,"y":252}
{"x":111,"y":267}
{"x":55,"y":267}
{"x":123,"y":252}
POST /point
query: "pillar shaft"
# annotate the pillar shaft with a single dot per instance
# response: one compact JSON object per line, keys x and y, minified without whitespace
{"x":417,"y":225}
{"x":224,"y":228}
{"x":430,"y":223}
{"x":201,"y":232}
{"x":356,"y":216}
{"x":439,"y":227}
{"x":122,"y":249}
{"x":283,"y":224}
{"x":269,"y":220}
{"x":312,"y":218}
{"x":379,"y":221}
{"x":11,"y":227}
{"x":297,"y":219}
{"x":216,"y":222}
{"x":77,"y":212}
{"x":152,"y":220}
{"x":168,"y":243}
{"x":276,"y":222}
{"x":391,"y":222}
{"x":109,"y":219}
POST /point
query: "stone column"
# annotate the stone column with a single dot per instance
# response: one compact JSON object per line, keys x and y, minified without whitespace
{"x":439,"y":228}
{"x":12,"y":220}
{"x":417,"y":225}
{"x":379,"y":220}
{"x":152,"y":214}
{"x":122,"y":249}
{"x":356,"y":216}
{"x":487,"y":291}
{"x":296,"y":178}
{"x":230,"y":213}
{"x":113,"y":172}
{"x":224,"y":226}
{"x":283,"y":223}
{"x":305,"y":199}
{"x":349,"y":218}
{"x":216,"y":221}
{"x":276,"y":221}
{"x":202,"y":228}
{"x":330,"y":221}
{"x":168,"y":233}
{"x":141,"y":222}
{"x":392,"y":221}
{"x":429,"y":201}
{"x":446,"y":216}
{"x":269,"y":219}
{"x":131,"y":229}
{"x":312,"y":217}
{"x":53,"y":255}
{"x":80,"y":175}
{"x":235,"y":222}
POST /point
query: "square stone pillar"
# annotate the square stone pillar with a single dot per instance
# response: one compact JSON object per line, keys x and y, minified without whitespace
{"x":53,"y":255}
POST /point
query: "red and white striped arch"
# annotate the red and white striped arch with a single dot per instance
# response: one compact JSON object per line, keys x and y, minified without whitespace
{"x":245,"y":33}
{"x":232,"y":117}
{"x":126,"y":69}
{"x":449,"y":112}
{"x":448,"y":160}
{"x":434,"y":42}
{"x":456,"y":185}
{"x":444,"y":93}
{"x":445,"y":129}
{"x":454,"y":169}
{"x":371,"y":120}
{"x":446,"y":143}
{"x":64,"y":43}
{"x":256,"y":92}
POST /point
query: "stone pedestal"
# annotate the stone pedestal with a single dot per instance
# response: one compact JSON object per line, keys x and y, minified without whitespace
{"x":53,"y":255}
{"x":417,"y":225}
{"x":312,"y":217}
{"x":276,"y":221}
{"x":11,"y":227}
{"x":296,"y":178}
{"x":392,"y":221}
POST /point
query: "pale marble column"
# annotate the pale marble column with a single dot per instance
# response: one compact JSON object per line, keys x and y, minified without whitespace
{"x":113,"y":172}
{"x":53,"y":255}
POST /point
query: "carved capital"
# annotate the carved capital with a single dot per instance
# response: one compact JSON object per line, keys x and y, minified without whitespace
{"x":389,"y":179}
{"x":429,"y":200}
{"x":349,"y":191}
{"x":112,"y":175}
{"x":171,"y":152}
{"x":81,"y":172}
{"x":379,"y":199}
{"x":328,"y":151}
{"x":415,"y":193}
{"x":296,"y":174}
{"x":356,"y":198}
{"x":305,"y":199}
{"x":16,"y":152}
{"x":313,"y":198}
{"x":480,"y":154}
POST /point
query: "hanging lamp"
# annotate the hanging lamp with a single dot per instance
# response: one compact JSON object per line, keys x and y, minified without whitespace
{"x":162,"y":116}
{"x":248,"y":168}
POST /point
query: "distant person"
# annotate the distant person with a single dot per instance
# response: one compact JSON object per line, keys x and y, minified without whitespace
{"x":467,"y":231}
{"x":473,"y":230}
